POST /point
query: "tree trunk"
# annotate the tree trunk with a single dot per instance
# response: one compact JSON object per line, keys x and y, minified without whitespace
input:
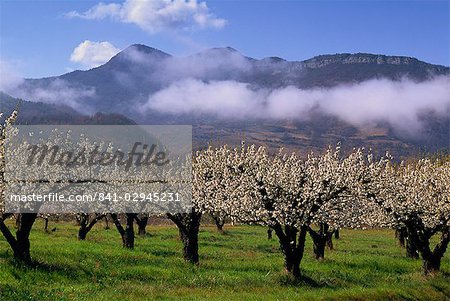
{"x":86,"y":225}
{"x":21,"y":243}
{"x":420,"y":235}
{"x":411,"y":248}
{"x":127,"y":234}
{"x":412,"y":241}
{"x":318,"y":244}
{"x":336,"y":233}
{"x":118,"y":225}
{"x":128,"y":238}
{"x":141,"y":228}
{"x":190,"y":246}
{"x":400,"y":234}
{"x":219,"y":222}
{"x":320,"y":239}
{"x":17,"y":216}
{"x":142,"y":222}
{"x":83,"y":221}
{"x":106,"y":227}
{"x":188,"y":226}
{"x":82,"y":233}
{"x":219,"y":225}
{"x":431,"y":264}
{"x":432,"y":260}
{"x":46,"y":224}
{"x":291,"y":247}
{"x":330,"y":241}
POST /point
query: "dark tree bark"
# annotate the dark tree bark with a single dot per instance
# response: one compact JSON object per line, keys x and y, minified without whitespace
{"x":127,"y":234}
{"x":330,"y":241}
{"x":46,"y":224}
{"x":269,"y":233}
{"x":219,"y":222}
{"x":400,"y":235}
{"x":336,"y":234}
{"x":86,"y":225}
{"x":411,"y":240}
{"x":292,"y":247}
{"x":188,"y":226}
{"x":318,"y":243}
{"x":128,"y":239}
{"x":320,"y":239}
{"x":16,"y":217}
{"x":22,"y":250}
{"x":432,"y":259}
{"x":421,"y":236}
{"x":106,"y":227}
{"x":116,"y":221}
{"x":411,"y":248}
{"x":142,"y":221}
{"x":21,"y":243}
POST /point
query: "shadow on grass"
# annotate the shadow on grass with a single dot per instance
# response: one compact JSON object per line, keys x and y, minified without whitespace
{"x":303,"y":280}
{"x":441,"y":288}
{"x":5,"y":255}
{"x":146,"y":235}
{"x":68,"y":271}
{"x":373,"y":265}
{"x":38,"y":266}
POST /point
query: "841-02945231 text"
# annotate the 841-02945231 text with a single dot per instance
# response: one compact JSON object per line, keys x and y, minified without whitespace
{"x":156,"y":197}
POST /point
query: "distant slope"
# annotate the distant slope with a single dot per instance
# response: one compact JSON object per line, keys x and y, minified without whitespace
{"x":37,"y":112}
{"x":126,"y":81}
{"x":42,"y":113}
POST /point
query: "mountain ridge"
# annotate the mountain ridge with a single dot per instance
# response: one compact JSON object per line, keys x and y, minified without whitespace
{"x":313,"y":62}
{"x":125,"y":83}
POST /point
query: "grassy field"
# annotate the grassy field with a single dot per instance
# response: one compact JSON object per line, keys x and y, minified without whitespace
{"x":239,"y":265}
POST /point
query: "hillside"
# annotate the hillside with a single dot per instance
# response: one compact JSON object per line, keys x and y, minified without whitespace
{"x":32,"y":113}
{"x":125,"y":83}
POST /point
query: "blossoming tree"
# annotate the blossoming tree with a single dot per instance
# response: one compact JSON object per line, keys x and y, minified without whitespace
{"x":417,"y":196}
{"x":20,"y":243}
{"x":284,"y":192}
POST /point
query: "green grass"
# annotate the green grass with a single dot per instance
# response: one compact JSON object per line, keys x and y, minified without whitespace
{"x":240,"y":265}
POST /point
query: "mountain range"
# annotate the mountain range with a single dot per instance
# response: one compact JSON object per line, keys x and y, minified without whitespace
{"x":120,"y":90}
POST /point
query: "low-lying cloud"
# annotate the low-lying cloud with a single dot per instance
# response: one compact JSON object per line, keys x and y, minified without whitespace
{"x":162,"y":69}
{"x":398,"y":103}
{"x":209,"y":64}
{"x":9,"y":78}
{"x":56,"y":91}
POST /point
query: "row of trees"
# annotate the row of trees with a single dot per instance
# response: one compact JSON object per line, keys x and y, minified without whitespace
{"x":294,"y":196}
{"x":291,"y":194}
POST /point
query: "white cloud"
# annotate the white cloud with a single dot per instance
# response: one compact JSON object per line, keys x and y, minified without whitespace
{"x":93,"y":54}
{"x":155,"y":15}
{"x":223,"y":98}
{"x":398,"y":103}
{"x":57,"y":91}
{"x":9,"y":77}
{"x":210,"y":64}
{"x":99,"y":11}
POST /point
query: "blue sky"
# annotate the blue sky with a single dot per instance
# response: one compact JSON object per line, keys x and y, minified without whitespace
{"x":38,"y":38}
